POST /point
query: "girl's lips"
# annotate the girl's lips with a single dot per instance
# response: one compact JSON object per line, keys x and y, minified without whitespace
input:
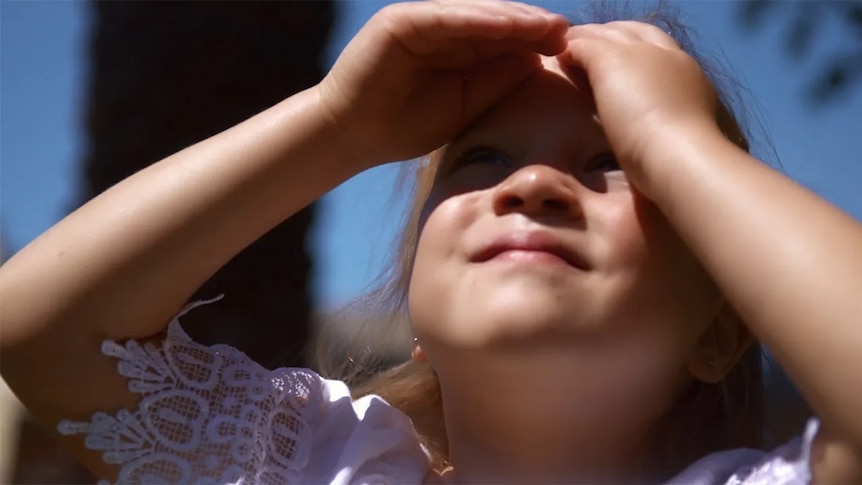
{"x":529,"y":256}
{"x":530,"y":246}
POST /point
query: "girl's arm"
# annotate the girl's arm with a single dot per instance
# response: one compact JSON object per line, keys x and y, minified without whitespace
{"x":123,"y":264}
{"x":788,"y":262}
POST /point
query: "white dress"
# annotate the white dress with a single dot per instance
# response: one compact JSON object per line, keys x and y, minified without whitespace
{"x":211,"y":415}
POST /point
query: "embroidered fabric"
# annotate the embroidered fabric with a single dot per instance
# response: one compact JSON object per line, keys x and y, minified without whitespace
{"x":208,"y":415}
{"x":789,"y":464}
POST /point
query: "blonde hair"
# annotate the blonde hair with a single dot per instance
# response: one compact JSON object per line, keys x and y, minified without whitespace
{"x":705,"y":417}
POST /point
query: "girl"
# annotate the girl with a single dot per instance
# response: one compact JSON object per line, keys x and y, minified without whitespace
{"x":592,"y":237}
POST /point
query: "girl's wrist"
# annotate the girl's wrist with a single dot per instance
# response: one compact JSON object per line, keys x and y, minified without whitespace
{"x":301,"y":130}
{"x":353,"y":156}
{"x":675,"y":151}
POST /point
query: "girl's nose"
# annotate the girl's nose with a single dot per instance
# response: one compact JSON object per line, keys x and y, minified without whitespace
{"x":538,"y":189}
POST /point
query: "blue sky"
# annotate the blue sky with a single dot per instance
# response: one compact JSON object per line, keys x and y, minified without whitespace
{"x":42,"y":75}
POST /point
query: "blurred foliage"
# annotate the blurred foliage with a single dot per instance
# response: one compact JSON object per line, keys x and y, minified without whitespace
{"x":839,"y":69}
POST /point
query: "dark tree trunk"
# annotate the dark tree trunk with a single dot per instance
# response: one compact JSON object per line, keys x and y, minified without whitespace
{"x":165,"y":75}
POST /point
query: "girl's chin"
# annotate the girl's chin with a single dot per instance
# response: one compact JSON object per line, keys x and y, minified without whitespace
{"x":509,"y":322}
{"x":526,"y":300}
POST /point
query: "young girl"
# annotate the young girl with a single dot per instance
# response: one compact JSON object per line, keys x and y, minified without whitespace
{"x":585,"y":248}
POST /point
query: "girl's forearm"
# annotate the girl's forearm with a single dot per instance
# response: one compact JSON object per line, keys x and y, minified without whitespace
{"x":122,"y":264}
{"x":789,"y":262}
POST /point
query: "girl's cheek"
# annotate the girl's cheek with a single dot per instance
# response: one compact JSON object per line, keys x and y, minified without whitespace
{"x":452,"y":202}
{"x":472,"y":178}
{"x":438,"y":195}
{"x":622,"y":227}
{"x":454,"y":214}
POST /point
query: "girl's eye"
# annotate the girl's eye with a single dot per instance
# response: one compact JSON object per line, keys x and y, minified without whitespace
{"x":605,"y":163}
{"x":482,"y":156}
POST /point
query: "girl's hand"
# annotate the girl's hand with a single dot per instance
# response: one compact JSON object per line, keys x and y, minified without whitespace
{"x":644,"y":86}
{"x":418,"y":73}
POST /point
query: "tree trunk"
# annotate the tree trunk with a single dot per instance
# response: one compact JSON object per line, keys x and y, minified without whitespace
{"x":165,"y":75}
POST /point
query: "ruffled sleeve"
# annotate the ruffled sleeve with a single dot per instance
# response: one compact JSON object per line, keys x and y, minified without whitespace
{"x":789,"y":464}
{"x":210,"y":415}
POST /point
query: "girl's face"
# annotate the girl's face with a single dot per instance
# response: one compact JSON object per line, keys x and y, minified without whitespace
{"x":533,"y":240}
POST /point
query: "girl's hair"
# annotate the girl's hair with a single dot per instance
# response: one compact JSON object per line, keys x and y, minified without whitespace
{"x":375,"y":359}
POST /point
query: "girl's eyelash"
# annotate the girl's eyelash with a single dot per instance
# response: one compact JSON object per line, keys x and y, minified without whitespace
{"x":604,"y":161}
{"x":482,"y":154}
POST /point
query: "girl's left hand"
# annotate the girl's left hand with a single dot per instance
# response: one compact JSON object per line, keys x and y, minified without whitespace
{"x":644,"y":87}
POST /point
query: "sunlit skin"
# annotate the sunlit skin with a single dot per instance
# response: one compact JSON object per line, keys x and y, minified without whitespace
{"x":558,"y":308}
{"x":613,"y":328}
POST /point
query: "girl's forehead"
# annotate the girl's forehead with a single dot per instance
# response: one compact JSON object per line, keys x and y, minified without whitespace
{"x":548,"y":102}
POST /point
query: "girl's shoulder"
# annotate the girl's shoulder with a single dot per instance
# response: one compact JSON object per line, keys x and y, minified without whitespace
{"x":210,"y":414}
{"x":789,"y":464}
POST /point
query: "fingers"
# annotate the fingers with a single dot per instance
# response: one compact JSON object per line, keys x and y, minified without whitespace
{"x":610,"y":31}
{"x":625,"y":31}
{"x":586,"y":42}
{"x":421,"y":27}
{"x":582,"y":52}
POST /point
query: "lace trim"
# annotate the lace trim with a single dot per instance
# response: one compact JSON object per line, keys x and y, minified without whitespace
{"x":788,"y":465}
{"x":207,"y":415}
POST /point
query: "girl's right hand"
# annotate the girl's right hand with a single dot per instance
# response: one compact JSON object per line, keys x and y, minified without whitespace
{"x":418,"y":73}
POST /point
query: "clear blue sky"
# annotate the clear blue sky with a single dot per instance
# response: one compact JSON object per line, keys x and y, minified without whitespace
{"x":42,"y":69}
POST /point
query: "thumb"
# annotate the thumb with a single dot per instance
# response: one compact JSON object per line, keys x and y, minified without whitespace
{"x":489,"y":82}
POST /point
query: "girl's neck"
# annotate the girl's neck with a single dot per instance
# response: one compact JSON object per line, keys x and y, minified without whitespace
{"x":528,"y":427}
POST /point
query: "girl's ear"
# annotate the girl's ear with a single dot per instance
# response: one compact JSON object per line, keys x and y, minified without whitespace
{"x":417,"y":355}
{"x":720,"y":346}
